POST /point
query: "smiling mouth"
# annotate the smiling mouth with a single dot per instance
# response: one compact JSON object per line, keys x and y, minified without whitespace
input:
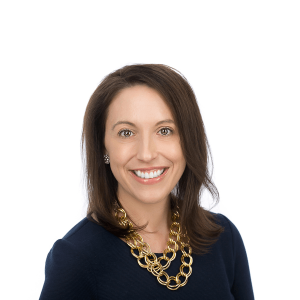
{"x":149,"y":175}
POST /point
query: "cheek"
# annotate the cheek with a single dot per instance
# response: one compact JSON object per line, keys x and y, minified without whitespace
{"x":175,"y":153}
{"x":118,"y":151}
{"x":176,"y":156}
{"x":121,"y":155}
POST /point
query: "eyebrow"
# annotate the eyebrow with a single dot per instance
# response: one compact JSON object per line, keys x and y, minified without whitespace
{"x":132,"y":124}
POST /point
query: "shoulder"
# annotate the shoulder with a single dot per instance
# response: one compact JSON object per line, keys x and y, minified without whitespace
{"x":83,"y":233}
{"x":81,"y":241}
{"x":69,"y":268}
{"x":226,"y":223}
{"x":221,"y":219}
{"x":234,"y":254}
{"x":231,"y":244}
{"x":74,"y":244}
{"x":230,"y":239}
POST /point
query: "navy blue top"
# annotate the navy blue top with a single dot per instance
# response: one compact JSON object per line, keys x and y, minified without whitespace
{"x":91,"y":263}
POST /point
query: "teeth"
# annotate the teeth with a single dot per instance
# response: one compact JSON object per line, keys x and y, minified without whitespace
{"x":149,"y":175}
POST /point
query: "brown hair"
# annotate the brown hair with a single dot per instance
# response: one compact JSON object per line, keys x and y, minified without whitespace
{"x":200,"y":224}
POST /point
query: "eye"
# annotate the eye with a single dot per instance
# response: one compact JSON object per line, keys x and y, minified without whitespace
{"x":125,"y":133}
{"x":165,"y":129}
{"x":122,"y":131}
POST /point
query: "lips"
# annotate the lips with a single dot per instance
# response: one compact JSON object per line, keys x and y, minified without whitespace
{"x":149,"y":181}
{"x":148,"y":175}
{"x":148,"y":170}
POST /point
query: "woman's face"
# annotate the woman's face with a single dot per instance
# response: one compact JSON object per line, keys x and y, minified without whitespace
{"x":151,"y":141}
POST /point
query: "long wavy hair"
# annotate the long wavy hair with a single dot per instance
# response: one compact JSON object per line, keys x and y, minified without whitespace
{"x":201,"y":225}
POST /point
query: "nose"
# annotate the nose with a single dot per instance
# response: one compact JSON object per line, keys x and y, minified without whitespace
{"x":146,"y":148}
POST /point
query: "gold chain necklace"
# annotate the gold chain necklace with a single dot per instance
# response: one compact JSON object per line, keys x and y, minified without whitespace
{"x":153,"y":264}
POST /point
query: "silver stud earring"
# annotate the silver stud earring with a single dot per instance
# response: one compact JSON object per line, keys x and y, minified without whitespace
{"x":106,"y":159}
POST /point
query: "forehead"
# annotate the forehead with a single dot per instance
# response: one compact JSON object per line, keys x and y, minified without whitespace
{"x":139,"y":103}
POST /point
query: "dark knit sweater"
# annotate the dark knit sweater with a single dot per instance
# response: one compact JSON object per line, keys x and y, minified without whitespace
{"x":91,"y":263}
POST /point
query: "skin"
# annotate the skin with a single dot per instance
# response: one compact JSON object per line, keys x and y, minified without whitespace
{"x":141,"y":146}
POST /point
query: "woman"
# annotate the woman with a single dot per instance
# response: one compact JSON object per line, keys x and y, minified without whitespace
{"x":145,"y":234}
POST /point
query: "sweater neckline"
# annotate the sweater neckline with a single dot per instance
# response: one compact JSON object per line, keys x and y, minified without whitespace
{"x":120,"y":241}
{"x":123,"y":242}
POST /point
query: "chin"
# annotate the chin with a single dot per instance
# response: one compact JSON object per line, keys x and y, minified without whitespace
{"x":151,"y":198}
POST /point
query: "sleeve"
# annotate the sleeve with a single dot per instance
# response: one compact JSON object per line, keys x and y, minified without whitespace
{"x":67,"y":274}
{"x":242,"y":286}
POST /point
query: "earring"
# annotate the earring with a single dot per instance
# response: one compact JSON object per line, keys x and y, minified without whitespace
{"x":106,"y":159}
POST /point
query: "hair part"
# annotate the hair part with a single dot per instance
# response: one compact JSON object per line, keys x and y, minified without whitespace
{"x":200,"y":224}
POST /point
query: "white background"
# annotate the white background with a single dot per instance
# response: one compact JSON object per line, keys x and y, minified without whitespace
{"x":240,"y":57}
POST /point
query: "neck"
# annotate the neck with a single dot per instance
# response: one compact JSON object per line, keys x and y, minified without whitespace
{"x":157,"y":215}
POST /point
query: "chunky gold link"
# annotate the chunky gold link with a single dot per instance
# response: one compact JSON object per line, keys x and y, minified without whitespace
{"x":163,"y":273}
{"x":155,"y":268}
{"x":153,"y":263}
{"x":166,"y":251}
{"x":186,"y":246}
{"x":183,"y":275}
{"x":176,"y":286}
{"x":167,"y":265}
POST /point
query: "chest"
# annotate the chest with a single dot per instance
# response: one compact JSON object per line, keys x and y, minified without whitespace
{"x":121,"y":277}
